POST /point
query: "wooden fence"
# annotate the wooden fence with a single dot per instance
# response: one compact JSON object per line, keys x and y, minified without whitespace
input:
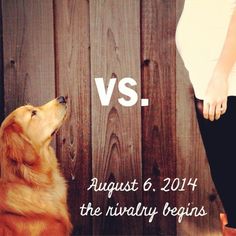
{"x":58,"y":47}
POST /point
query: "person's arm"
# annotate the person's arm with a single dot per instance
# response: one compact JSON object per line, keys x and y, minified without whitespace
{"x":215,"y":101}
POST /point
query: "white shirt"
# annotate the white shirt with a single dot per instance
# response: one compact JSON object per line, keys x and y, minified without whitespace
{"x":200,"y":36}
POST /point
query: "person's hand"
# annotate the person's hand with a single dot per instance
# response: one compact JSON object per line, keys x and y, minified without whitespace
{"x":215,"y":100}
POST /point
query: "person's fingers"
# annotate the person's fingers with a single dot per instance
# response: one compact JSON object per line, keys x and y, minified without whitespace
{"x":212,"y":109}
{"x":218,"y":111}
{"x":205,"y":109}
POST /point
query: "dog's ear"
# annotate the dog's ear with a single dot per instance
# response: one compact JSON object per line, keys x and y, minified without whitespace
{"x":16,"y":147}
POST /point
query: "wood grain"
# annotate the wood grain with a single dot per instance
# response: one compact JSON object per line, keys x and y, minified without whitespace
{"x":1,"y":71}
{"x":46,"y":52}
{"x":158,"y":84}
{"x":116,"y":130}
{"x":73,"y":81}
{"x":191,"y":158}
{"x":28,"y":52}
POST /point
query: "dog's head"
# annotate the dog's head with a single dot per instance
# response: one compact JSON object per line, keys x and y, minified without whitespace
{"x":28,"y":131}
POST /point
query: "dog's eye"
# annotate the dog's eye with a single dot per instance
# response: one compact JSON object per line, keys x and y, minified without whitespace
{"x":33,"y":113}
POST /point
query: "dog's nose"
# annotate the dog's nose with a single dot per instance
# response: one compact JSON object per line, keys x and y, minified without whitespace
{"x":61,"y":100}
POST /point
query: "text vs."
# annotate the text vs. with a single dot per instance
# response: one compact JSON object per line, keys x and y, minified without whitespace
{"x":106,"y":94}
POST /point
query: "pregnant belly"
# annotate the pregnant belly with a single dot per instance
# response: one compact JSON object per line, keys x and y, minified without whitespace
{"x":197,"y":44}
{"x":202,"y":29}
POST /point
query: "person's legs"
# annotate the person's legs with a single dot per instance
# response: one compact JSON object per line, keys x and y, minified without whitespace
{"x":219,"y":139}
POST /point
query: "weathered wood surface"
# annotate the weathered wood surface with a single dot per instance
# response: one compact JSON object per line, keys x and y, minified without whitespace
{"x":58,"y":47}
{"x":2,"y":115}
{"x":28,"y":52}
{"x":158,"y":84}
{"x":116,"y":130}
{"x":73,"y":80}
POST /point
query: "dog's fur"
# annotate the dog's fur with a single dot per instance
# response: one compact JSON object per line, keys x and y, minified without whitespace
{"x":32,"y":190}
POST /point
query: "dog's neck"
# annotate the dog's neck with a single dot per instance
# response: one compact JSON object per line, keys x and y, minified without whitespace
{"x":39,"y":173}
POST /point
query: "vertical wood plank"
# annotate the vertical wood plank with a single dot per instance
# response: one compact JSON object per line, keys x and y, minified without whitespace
{"x":116,"y":130}
{"x":73,"y":80}
{"x":1,"y":71}
{"x":28,"y":52}
{"x":158,"y":84}
{"x":191,"y":158}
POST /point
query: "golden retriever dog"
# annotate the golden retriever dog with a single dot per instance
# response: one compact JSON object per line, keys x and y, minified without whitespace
{"x":32,"y":190}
